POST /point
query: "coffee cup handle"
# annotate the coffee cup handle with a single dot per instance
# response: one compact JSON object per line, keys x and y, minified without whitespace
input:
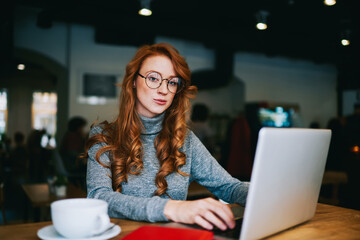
{"x":104,"y":222}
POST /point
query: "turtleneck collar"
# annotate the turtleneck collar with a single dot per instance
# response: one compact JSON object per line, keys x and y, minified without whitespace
{"x":152,"y":125}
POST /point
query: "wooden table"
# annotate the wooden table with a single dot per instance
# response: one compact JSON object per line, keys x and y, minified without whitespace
{"x":330,"y":222}
{"x":40,"y":199}
{"x":40,"y":196}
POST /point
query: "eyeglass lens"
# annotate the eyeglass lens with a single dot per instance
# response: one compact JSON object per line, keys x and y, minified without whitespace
{"x":154,"y":80}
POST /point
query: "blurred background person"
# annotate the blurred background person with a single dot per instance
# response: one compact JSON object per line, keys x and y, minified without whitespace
{"x":199,"y":124}
{"x":19,"y":158}
{"x":73,"y":144}
{"x":39,"y":159}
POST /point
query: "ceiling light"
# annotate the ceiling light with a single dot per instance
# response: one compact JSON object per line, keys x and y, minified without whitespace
{"x":329,"y":2}
{"x":345,"y":42}
{"x":261,"y":26}
{"x":261,"y":17}
{"x":345,"y":37}
{"x":145,"y":8}
{"x":145,"y":12}
{"x":21,"y":67}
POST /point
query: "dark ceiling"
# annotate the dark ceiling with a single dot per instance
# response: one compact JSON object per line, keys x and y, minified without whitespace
{"x":299,"y":29}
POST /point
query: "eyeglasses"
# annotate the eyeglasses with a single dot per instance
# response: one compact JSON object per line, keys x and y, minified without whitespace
{"x":154,"y":80}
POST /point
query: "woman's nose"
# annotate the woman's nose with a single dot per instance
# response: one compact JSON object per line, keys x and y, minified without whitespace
{"x":163,"y":88}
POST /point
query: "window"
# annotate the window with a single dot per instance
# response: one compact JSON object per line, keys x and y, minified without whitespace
{"x":44,"y":108}
{"x":3,"y":111}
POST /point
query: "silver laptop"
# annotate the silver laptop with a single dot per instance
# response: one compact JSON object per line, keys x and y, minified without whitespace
{"x":286,"y":179}
{"x":285,"y":182}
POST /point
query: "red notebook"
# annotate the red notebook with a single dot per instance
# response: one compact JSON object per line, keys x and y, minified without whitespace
{"x":162,"y":233}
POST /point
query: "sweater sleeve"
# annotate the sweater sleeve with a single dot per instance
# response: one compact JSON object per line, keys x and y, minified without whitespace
{"x":206,"y":170}
{"x":99,"y":185}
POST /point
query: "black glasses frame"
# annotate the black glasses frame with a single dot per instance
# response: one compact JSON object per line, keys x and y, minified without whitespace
{"x":180,"y":86}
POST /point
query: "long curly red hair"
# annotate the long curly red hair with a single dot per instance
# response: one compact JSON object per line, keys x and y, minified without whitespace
{"x":122,"y":136}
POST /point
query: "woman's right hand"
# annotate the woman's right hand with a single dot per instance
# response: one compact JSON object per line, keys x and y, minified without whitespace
{"x":206,"y":212}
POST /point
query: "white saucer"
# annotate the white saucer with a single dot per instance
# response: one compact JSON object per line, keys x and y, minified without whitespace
{"x":49,"y":233}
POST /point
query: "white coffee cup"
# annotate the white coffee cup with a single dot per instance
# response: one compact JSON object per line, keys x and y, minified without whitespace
{"x":80,"y":217}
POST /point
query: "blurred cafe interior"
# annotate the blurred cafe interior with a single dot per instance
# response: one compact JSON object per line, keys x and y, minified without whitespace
{"x":287,"y":63}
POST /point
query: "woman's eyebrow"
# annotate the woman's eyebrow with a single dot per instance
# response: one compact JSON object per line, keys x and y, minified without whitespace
{"x":150,"y":71}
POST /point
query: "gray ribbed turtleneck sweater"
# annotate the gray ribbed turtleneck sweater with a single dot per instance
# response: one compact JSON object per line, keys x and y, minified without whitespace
{"x":136,"y":201}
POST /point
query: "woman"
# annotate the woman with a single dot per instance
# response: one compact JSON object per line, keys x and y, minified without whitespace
{"x":142,"y":163}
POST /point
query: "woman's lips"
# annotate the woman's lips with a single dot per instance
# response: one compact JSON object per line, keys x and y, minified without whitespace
{"x":160,"y":101}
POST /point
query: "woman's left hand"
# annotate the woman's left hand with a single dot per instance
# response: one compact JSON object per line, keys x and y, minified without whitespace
{"x":206,"y":212}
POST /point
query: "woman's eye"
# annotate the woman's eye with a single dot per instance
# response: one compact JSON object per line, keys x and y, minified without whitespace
{"x":173,"y":83}
{"x":153,"y":79}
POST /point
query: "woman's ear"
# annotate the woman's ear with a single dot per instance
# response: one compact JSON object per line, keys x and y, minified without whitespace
{"x":134,"y":83}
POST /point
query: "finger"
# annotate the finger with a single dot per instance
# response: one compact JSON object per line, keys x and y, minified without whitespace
{"x":203,"y":223}
{"x":223,"y":212}
{"x":214,"y":220}
{"x":228,"y":217}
